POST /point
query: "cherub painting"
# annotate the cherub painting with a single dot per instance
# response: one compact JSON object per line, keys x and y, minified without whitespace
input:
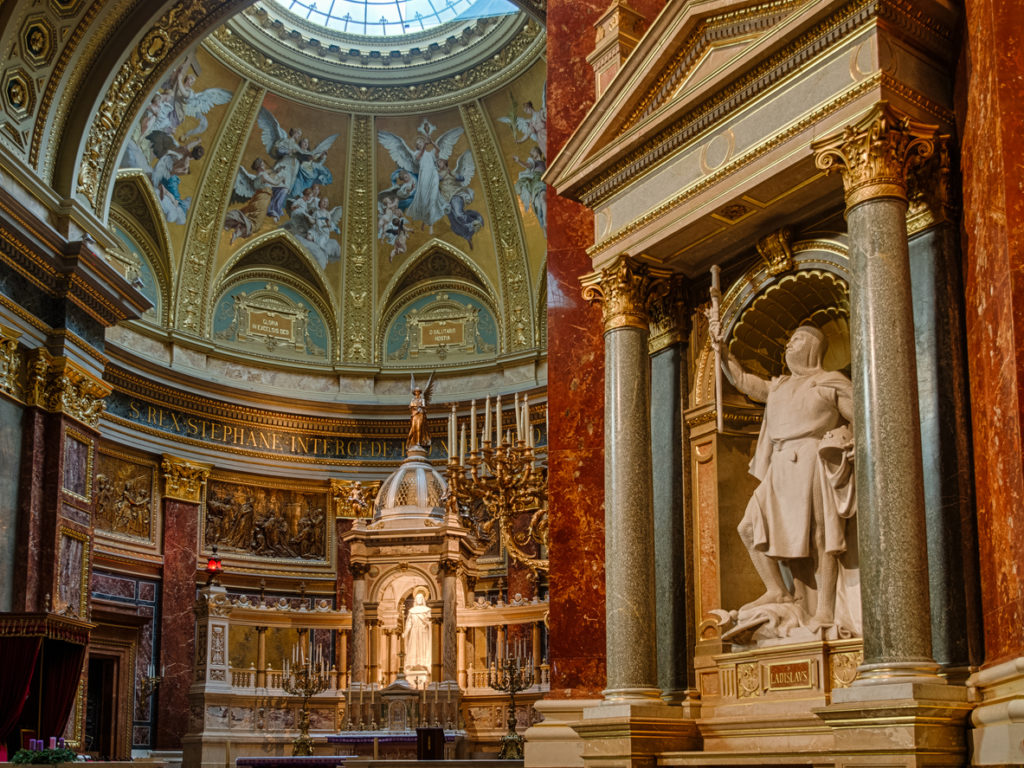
{"x":168,"y":135}
{"x":424,"y":187}
{"x":529,"y":124}
{"x":290,"y":186}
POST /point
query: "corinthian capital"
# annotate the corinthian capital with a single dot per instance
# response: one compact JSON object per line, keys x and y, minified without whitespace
{"x":183,"y":480}
{"x":875,"y":155}
{"x":625,"y":291}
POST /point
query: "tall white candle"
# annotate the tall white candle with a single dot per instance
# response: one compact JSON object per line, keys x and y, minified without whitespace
{"x":519,"y":420}
{"x":451,"y":433}
{"x":472,"y":425}
{"x":487,"y":420}
{"x":497,"y":421}
{"x":462,"y":446}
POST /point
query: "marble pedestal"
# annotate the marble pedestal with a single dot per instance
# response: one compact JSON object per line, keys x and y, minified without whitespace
{"x":898,"y":724}
{"x":552,"y":743}
{"x":998,"y":734}
{"x":633,"y":733}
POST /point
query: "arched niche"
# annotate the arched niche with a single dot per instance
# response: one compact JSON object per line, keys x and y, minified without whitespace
{"x":263,"y":313}
{"x":439,"y":324}
{"x":762,"y":308}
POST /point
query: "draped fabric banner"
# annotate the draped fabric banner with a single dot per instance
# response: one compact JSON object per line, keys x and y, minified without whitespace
{"x":16,"y":673}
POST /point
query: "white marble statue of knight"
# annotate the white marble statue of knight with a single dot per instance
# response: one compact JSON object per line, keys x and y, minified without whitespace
{"x":795,"y":524}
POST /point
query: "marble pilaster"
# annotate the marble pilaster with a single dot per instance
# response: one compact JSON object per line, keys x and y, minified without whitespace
{"x":449,"y":662}
{"x":359,"y":658}
{"x":183,"y":489}
{"x":668,"y":388}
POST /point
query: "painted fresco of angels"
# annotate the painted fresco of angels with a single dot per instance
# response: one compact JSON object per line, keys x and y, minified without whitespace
{"x":302,"y":165}
{"x":424,"y":186}
{"x":163,"y":144}
{"x":530,"y":124}
{"x":263,"y":192}
{"x":314,"y":222}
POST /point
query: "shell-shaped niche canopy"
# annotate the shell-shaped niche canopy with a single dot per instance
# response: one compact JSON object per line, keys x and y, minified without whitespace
{"x":808,"y":297}
{"x":411,"y":495}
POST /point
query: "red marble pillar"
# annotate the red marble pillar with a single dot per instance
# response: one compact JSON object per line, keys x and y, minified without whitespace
{"x":576,"y":649}
{"x":992,"y":115}
{"x":182,"y":491}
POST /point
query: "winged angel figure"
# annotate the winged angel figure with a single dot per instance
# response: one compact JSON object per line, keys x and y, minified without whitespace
{"x":301,"y":165}
{"x":418,"y":411}
{"x":436,"y":190}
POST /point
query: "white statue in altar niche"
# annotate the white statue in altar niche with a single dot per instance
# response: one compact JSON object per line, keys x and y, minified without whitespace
{"x":417,"y":636}
{"x":798,"y":526}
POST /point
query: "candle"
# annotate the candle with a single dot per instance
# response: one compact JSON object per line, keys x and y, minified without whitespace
{"x":53,"y":742}
{"x":472,"y":426}
{"x":487,"y":420}
{"x":519,"y":419}
{"x":451,"y":433}
{"x":497,"y":421}
{"x":462,"y":446}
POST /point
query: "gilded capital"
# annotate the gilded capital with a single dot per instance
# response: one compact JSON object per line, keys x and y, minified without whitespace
{"x":10,"y":360}
{"x":625,"y":292}
{"x":669,"y":320}
{"x":876,"y":154}
{"x":57,"y":385}
{"x":183,"y":480}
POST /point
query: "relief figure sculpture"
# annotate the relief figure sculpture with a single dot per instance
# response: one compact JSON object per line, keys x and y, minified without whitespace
{"x":795,"y":525}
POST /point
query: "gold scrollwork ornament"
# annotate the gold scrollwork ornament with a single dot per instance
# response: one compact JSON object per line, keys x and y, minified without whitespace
{"x":625,"y":292}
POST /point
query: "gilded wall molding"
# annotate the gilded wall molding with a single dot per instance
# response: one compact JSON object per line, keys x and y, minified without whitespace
{"x":358,"y":305}
{"x":206,"y":215}
{"x":157,"y":49}
{"x":513,"y":266}
{"x":875,"y":155}
{"x":625,"y":291}
{"x":184,"y":480}
{"x":472,"y":82}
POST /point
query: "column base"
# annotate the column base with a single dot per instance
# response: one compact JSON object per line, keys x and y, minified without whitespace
{"x":553,"y":743}
{"x":998,"y":734}
{"x":631,"y":734}
{"x":899,"y":723}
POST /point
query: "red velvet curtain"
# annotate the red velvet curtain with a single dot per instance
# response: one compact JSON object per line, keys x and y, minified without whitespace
{"x":61,"y":671}
{"x":19,"y":656}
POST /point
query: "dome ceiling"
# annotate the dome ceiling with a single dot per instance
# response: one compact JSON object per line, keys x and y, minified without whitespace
{"x":392,"y":18}
{"x":323,"y":202}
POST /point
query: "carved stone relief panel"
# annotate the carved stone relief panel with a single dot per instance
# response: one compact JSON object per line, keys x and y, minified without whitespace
{"x":126,"y":496}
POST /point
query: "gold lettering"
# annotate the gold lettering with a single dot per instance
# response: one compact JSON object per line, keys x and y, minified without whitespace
{"x":136,"y":414}
{"x":263,"y":440}
{"x":190,"y":423}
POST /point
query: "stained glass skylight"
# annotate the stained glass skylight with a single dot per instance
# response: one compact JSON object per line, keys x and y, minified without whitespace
{"x":392,"y":18}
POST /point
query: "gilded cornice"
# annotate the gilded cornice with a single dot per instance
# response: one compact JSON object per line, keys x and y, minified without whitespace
{"x":206,"y":214}
{"x":876,"y":154}
{"x":58,"y":385}
{"x":159,"y":47}
{"x":628,"y":160}
{"x":475,"y":81}
{"x":794,"y":129}
{"x":184,"y":480}
{"x":513,"y":265}
{"x":625,"y":292}
{"x":358,"y":304}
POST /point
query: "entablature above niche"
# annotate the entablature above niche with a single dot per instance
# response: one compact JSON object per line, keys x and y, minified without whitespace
{"x":694,"y":181}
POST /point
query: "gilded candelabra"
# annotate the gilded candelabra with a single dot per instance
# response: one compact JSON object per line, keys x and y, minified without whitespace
{"x":511,"y":675}
{"x":305,"y":677}
{"x":500,"y":485}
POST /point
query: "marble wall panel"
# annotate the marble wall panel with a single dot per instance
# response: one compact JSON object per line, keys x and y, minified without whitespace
{"x":992,"y":117}
{"x":76,"y":466}
{"x":10,"y":456}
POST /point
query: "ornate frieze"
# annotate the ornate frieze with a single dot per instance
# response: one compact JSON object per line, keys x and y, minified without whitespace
{"x":625,"y":292}
{"x":875,"y":155}
{"x":183,"y":480}
{"x":356,"y":318}
{"x":353,"y":498}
